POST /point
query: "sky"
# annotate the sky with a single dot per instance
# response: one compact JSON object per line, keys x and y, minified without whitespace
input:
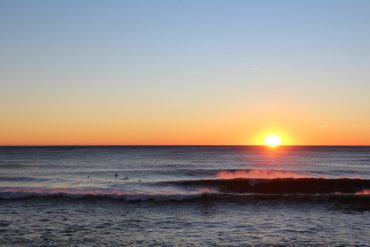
{"x":184,"y":72}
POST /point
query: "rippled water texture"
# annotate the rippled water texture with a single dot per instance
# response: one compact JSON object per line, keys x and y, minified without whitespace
{"x":184,"y":196}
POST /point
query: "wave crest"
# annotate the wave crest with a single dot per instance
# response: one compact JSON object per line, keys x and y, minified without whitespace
{"x":9,"y":193}
{"x":283,"y":185}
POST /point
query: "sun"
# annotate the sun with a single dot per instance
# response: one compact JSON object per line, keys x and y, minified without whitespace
{"x":272,"y":141}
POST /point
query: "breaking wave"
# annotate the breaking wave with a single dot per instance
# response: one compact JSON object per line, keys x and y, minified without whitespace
{"x":282,"y":185}
{"x":359,"y":200}
{"x":245,"y":185}
{"x":202,"y":195}
{"x":217,"y":188}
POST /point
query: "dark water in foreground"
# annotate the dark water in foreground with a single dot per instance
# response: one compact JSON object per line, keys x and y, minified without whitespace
{"x":184,"y":196}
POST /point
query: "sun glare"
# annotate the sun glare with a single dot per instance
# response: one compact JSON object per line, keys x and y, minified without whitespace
{"x":272,"y":141}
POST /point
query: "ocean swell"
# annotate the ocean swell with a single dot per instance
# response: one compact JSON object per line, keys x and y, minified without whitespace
{"x":282,"y":185}
{"x":12,"y":193}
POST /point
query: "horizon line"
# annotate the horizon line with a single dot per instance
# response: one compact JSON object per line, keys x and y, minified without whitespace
{"x":182,"y":145}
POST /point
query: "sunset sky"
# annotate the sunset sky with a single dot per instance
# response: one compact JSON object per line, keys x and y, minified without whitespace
{"x":184,"y":72}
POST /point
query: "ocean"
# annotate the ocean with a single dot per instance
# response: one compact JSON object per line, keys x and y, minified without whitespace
{"x":185,"y":196}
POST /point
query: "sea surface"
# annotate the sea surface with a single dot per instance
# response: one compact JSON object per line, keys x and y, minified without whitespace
{"x":184,"y":196}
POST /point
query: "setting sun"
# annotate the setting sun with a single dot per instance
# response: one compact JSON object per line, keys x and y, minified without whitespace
{"x":272,"y":141}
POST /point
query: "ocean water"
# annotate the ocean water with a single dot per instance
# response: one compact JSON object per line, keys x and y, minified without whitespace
{"x":184,"y":196}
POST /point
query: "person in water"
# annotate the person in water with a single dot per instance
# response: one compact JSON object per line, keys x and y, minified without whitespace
{"x":116,"y":175}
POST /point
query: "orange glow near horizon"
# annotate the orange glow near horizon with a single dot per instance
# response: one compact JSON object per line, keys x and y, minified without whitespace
{"x":176,"y":135}
{"x":181,"y":129}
